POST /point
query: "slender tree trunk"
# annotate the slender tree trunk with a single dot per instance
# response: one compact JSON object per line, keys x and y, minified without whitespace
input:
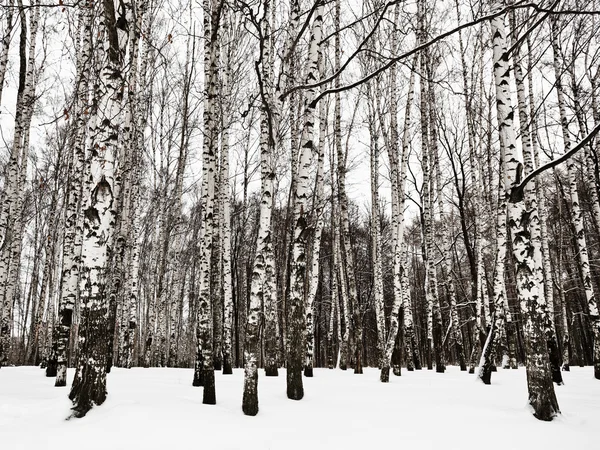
{"x":296,"y":306}
{"x":262,"y":288}
{"x":225,"y":218}
{"x":74,"y":217}
{"x":11,"y":228}
{"x":318,"y":219}
{"x":6,"y":38}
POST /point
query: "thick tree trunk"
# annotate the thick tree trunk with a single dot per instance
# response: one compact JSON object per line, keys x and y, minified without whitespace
{"x":89,"y":384}
{"x":522,"y":215}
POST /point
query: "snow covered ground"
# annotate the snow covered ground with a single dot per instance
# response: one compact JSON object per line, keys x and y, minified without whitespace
{"x":159,"y":409}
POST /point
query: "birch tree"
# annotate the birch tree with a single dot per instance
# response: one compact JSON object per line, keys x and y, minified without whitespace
{"x":99,"y":206}
{"x":74,"y":219}
{"x":522,"y":215}
{"x":12,"y":202}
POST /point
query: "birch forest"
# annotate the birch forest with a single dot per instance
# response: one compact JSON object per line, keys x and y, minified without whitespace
{"x":278,"y":186}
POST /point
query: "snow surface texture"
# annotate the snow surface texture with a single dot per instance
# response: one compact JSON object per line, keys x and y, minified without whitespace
{"x":159,"y":408}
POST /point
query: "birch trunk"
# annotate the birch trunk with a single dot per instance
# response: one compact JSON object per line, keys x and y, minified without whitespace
{"x":522,"y":215}
{"x":341,"y":210}
{"x":375,"y":226}
{"x":89,"y":384}
{"x":413,"y":357}
{"x":204,"y":358}
{"x":313,"y":277}
{"x":262,"y":287}
{"x":11,"y":228}
{"x":6,"y":38}
{"x":296,"y":307}
{"x":532,"y":161}
{"x":398,"y":173}
{"x":74,"y":218}
{"x":225,"y":218}
{"x":433,"y":332}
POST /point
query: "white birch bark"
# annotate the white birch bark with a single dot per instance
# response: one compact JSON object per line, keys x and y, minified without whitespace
{"x":6,"y":38}
{"x":73,"y":217}
{"x":132,"y":281}
{"x":434,"y":351}
{"x":204,"y":358}
{"x":11,"y":228}
{"x":398,"y":171}
{"x":297,"y":320}
{"x":413,"y":357}
{"x":539,"y":232}
{"x":375,"y":223}
{"x":225,"y":218}
{"x":261,"y":287}
{"x":522,"y":215}
{"x":339,"y":211}
{"x":318,"y":218}
{"x":89,"y":384}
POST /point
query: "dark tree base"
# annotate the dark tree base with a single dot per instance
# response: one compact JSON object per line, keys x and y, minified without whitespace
{"x":494,"y":369}
{"x":209,"y":396}
{"x":410,"y":369}
{"x":295,"y":390}
{"x":486,"y":376}
{"x":343,"y":367}
{"x":557,"y":376}
{"x":51,"y":369}
{"x":358,"y":369}
{"x":198,"y":378}
{"x":271,"y":371}
{"x":61,"y":376}
{"x":250,"y":396}
{"x":227,"y":369}
{"x":397,"y":371}
{"x":471,"y":370}
{"x":463,"y":367}
{"x":89,"y":391}
{"x":217,"y":364}
{"x":544,"y":405}
{"x":385,"y":375}
{"x":440,"y":369}
{"x":308,"y":372}
{"x":566,"y":368}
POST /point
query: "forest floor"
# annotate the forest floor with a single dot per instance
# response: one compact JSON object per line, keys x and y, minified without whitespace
{"x":159,"y":409}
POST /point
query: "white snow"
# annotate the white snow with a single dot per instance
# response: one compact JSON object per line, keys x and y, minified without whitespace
{"x":158,"y":408}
